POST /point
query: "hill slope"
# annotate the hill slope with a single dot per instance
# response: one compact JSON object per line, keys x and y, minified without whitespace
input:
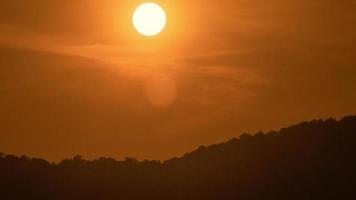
{"x":311,"y":160}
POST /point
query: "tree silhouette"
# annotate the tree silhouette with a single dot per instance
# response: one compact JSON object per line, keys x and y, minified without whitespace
{"x":311,"y":160}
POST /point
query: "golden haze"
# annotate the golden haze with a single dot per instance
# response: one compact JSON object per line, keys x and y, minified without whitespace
{"x":76,"y":77}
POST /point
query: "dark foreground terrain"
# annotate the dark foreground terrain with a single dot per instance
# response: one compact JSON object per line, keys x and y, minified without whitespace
{"x":311,"y":160}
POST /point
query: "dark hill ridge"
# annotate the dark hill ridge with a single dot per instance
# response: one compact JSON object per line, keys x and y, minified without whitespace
{"x":311,"y":160}
{"x":307,"y":130}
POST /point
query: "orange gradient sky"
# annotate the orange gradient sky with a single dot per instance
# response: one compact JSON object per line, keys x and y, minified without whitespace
{"x":76,"y":78}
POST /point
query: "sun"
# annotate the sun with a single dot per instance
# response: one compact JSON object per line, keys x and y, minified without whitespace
{"x":149,"y":19}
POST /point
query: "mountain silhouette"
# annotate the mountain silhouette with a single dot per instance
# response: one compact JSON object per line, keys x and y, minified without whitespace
{"x":311,"y":160}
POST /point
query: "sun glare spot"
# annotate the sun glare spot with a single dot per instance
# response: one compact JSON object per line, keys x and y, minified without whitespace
{"x":149,"y":19}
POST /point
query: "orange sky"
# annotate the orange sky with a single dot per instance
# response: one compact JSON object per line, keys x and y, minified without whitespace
{"x":76,"y":78}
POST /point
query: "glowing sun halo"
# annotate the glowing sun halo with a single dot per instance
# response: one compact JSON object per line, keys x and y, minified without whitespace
{"x":149,"y":19}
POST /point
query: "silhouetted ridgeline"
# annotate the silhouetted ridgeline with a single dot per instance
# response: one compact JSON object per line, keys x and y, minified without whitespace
{"x":311,"y":160}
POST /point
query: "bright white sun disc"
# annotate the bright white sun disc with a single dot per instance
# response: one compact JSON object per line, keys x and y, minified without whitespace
{"x":149,"y":19}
